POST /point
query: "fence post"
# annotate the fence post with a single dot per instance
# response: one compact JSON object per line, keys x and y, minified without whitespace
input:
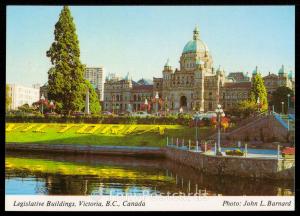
{"x":172,"y":141}
{"x":246,"y":150}
{"x":215,"y":148}
{"x":167,"y":141}
{"x":205,"y":146}
{"x":183,"y":142}
{"x":197,"y":149}
{"x":189,"y":144}
{"x":278,"y":151}
{"x":177,"y":142}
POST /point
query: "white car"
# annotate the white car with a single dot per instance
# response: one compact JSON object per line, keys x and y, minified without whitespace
{"x":140,"y":114}
{"x":210,"y":114}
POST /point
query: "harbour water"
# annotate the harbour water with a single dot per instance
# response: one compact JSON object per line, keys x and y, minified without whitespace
{"x":59,"y":174}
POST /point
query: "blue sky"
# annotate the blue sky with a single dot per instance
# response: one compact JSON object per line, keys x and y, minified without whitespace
{"x":140,"y":39}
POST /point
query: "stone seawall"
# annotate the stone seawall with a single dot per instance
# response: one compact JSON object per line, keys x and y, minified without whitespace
{"x":87,"y":149}
{"x":234,"y":165}
{"x":216,"y":165}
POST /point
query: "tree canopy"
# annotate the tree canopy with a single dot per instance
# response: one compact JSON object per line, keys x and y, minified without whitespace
{"x":7,"y":98}
{"x":67,"y":86}
{"x":281,"y":95}
{"x":258,"y":90}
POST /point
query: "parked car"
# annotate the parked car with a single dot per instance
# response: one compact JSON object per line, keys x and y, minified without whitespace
{"x":124,"y":113}
{"x":210,"y":114}
{"x":78,"y":113}
{"x":106,"y":113}
{"x":51,"y":114}
{"x":140,"y":114}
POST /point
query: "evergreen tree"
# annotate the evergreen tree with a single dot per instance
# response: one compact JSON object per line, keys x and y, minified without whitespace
{"x":281,"y":95}
{"x":7,"y":98}
{"x":258,"y":90}
{"x":66,"y":83}
{"x":94,"y":101}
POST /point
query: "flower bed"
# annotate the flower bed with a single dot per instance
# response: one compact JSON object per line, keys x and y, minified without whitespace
{"x":288,"y":152}
{"x":28,"y":128}
{"x":94,"y":129}
{"x":235,"y":152}
{"x":130,"y":129}
{"x":9,"y":127}
{"x":66,"y":127}
{"x":39,"y":129}
{"x":82,"y":129}
{"x":161,"y":130}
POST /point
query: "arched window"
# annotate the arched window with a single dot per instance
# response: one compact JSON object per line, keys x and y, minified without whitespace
{"x":210,"y":106}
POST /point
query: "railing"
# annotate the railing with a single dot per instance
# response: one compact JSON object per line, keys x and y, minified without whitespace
{"x":292,"y":116}
{"x":280,"y":120}
{"x":207,"y":145}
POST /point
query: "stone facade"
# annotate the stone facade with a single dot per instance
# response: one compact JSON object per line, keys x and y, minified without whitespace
{"x":122,"y":95}
{"x":273,"y":81}
{"x":196,"y":86}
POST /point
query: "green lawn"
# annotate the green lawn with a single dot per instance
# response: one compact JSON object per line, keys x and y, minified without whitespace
{"x":143,"y":135}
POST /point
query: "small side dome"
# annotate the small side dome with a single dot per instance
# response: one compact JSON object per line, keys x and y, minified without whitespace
{"x":290,"y":75}
{"x":128,"y":76}
{"x":255,"y":71}
{"x":167,"y":63}
{"x":281,"y":70}
{"x":143,"y":82}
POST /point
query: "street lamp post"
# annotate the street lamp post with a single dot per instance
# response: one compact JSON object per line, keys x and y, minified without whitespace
{"x":42,"y":100}
{"x":51,"y":105}
{"x":220,"y":113}
{"x":197,"y":118}
{"x":117,"y":107}
{"x":156,"y":101}
{"x":146,"y":104}
{"x":282,"y":107}
{"x":288,"y":103}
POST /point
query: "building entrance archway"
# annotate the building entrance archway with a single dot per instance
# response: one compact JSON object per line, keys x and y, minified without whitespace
{"x":183,"y":101}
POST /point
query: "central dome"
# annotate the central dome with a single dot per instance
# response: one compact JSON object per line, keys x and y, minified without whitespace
{"x":195,"y":45}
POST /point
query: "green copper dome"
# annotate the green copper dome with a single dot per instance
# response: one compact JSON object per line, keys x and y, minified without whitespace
{"x":196,"y":44}
{"x":281,"y":70}
{"x":290,"y":75}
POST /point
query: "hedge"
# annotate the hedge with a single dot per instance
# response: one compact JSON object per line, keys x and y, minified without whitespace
{"x":170,"y":120}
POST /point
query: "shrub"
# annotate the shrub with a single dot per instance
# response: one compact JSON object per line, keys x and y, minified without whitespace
{"x":235,"y":152}
{"x":96,"y":119}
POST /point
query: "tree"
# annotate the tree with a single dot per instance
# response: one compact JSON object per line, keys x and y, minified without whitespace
{"x":280,"y":95}
{"x":94,"y":101}
{"x":244,"y":108}
{"x":66,"y":83}
{"x":258,"y":90}
{"x":7,"y":98}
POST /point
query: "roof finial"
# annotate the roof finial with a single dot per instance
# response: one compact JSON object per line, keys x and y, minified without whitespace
{"x":167,"y":63}
{"x":196,"y":35}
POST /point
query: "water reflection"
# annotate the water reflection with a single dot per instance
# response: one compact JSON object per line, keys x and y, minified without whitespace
{"x":53,"y":174}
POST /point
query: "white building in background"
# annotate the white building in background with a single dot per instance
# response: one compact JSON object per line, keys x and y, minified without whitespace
{"x":96,"y":76}
{"x":21,"y":95}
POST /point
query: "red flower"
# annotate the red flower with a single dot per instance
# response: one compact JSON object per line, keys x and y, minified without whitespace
{"x":288,"y":151}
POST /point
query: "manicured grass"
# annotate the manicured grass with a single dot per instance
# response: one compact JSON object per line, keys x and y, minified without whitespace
{"x":106,"y":134}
